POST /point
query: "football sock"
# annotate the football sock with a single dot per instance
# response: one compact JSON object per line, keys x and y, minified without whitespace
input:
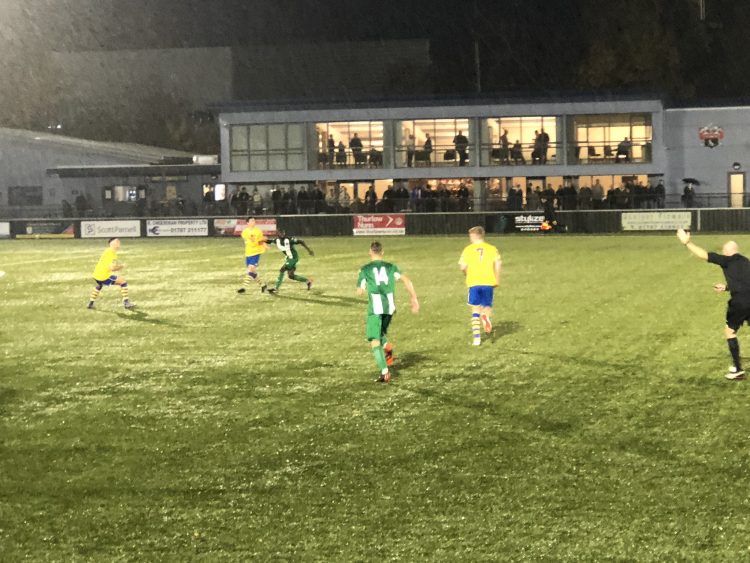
{"x":95,"y":293}
{"x":124,"y":292}
{"x":377,"y":351}
{"x":734,"y":349}
{"x":249,"y":278}
{"x":476,"y":326}
{"x":299,"y":278}
{"x":280,"y":279}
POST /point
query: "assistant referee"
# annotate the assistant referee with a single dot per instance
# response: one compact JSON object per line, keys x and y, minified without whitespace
{"x":737,"y":274}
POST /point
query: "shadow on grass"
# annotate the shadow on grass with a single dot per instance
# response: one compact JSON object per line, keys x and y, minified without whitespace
{"x":503,"y":328}
{"x":142,"y":316}
{"x":323,"y":299}
{"x":409,"y":360}
{"x":7,"y":396}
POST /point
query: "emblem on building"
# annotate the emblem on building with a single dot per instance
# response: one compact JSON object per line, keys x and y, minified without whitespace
{"x":711,"y":135}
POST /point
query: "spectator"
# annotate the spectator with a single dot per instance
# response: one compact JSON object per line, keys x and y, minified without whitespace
{"x":402,"y":198}
{"x":67,"y":209}
{"x":660,"y":194}
{"x":331,"y":150}
{"x":345,"y":201}
{"x":389,"y":200}
{"x":355,"y":144}
{"x":427,"y":148}
{"x":357,"y":206}
{"x":290,"y":201}
{"x":303,"y":202}
{"x":585,"y":196}
{"x":544,"y":145}
{"x":430,"y":201}
{"x":463,"y":197}
{"x":276,"y":200}
{"x":461,"y":143}
{"x":341,"y":154}
{"x":318,"y":198}
{"x":257,"y":202}
{"x":371,"y":199}
{"x":504,"y":150}
{"x":570,"y":197}
{"x":536,"y":152}
{"x":516,"y":153}
{"x":241,"y":200}
{"x":411,"y":148}
{"x":208,"y":201}
{"x":417,"y":199}
{"x":688,"y":196}
{"x":624,"y":149}
{"x":331,"y":201}
{"x":442,"y":198}
{"x":597,"y":195}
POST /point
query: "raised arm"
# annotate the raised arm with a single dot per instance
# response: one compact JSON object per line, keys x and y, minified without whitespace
{"x":684,"y":237}
{"x":412,"y":293}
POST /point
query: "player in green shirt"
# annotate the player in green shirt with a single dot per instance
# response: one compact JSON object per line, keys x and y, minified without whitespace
{"x":288,"y":246}
{"x":378,"y":279}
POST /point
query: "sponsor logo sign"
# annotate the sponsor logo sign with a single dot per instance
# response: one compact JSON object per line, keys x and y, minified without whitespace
{"x":44,"y":229}
{"x":4,"y":230}
{"x":368,"y":225}
{"x":177,"y":228}
{"x":234,"y":227}
{"x":656,"y":221}
{"x":531,"y":223}
{"x":107,"y":229}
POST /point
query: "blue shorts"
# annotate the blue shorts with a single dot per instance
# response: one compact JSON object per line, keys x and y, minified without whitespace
{"x":481,"y":295}
{"x":109,"y":281}
{"x":252,"y":260}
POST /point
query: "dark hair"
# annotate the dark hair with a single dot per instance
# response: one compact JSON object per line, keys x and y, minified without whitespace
{"x":110,"y":240}
{"x":376,"y":248}
{"x":250,"y":218}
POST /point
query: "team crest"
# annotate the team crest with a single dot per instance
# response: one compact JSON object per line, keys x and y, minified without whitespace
{"x":711,"y":135}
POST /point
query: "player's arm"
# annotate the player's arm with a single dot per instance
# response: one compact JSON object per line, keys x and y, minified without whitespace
{"x":498,"y":265}
{"x":116,"y":267}
{"x":304,"y":245}
{"x":684,"y":237}
{"x":412,"y":293}
{"x":361,"y":284}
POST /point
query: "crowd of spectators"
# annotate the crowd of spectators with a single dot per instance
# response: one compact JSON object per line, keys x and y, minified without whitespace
{"x":336,"y":154}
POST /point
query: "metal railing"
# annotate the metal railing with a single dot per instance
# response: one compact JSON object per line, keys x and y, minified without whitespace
{"x":520,"y":155}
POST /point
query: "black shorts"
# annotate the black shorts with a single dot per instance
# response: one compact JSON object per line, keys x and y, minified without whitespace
{"x":738,"y":312}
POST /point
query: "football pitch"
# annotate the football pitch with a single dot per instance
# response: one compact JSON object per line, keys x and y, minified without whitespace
{"x":210,"y":426}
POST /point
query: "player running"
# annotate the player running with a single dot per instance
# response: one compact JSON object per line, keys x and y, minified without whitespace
{"x":255,"y":245}
{"x":378,"y":280}
{"x":288,"y":245}
{"x":737,"y":274}
{"x":481,"y":263}
{"x":104,"y":274}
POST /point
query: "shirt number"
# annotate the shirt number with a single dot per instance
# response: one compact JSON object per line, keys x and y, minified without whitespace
{"x":381,"y":275}
{"x":481,"y":253}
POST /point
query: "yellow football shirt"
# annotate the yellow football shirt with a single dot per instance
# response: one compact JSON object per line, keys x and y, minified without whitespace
{"x":253,"y":238}
{"x":479,"y":259}
{"x":104,"y":267}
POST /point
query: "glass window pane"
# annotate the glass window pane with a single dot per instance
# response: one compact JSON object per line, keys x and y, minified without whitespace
{"x":239,"y":138}
{"x":240,"y":163}
{"x":276,"y":137}
{"x":277,"y":161}
{"x":258,"y":138}
{"x":259,"y":162}
{"x":294,"y":161}
{"x":295,"y":136}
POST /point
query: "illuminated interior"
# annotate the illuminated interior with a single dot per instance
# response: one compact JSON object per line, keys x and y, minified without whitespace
{"x":369,"y":132}
{"x":441,"y":132}
{"x":597,"y":136}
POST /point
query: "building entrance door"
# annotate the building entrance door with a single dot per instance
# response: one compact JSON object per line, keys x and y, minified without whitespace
{"x":736,"y":189}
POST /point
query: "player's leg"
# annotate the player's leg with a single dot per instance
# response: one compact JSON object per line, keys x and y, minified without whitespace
{"x":384,"y":342}
{"x":735,"y":317}
{"x":95,"y":293}
{"x":373,"y":331}
{"x":293,"y":275}
{"x":476,"y":313}
{"x":124,"y":292}
{"x":485,"y":315}
{"x":279,"y":280}
{"x":251,"y":262}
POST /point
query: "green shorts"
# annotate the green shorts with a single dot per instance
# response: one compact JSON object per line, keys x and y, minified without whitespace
{"x":377,"y":326}
{"x":290,"y":265}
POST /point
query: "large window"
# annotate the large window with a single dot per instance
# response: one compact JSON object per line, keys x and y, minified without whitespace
{"x":267,"y":147}
{"x":23,"y":196}
{"x":611,"y":138}
{"x":433,"y":142}
{"x":520,"y":140}
{"x":349,"y":144}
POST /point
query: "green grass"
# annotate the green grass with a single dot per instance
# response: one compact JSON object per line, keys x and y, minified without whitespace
{"x":215,"y":427}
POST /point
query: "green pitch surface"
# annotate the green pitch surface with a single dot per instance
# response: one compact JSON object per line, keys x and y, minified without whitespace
{"x":212,"y":426}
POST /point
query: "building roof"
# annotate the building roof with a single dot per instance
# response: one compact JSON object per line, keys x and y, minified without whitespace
{"x":129,"y":151}
{"x":119,"y":171}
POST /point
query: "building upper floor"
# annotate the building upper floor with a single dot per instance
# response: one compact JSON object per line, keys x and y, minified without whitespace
{"x":424,"y":138}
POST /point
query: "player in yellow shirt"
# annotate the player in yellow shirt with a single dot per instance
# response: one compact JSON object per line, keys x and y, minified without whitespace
{"x":481,"y":263}
{"x":255,"y":245}
{"x":105,"y":274}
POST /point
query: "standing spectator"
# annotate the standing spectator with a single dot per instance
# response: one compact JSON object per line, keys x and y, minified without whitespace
{"x":442,"y":198}
{"x":536,"y":152}
{"x":624,"y":149}
{"x":427,"y":147}
{"x":585,"y":196}
{"x":290,"y":201}
{"x":332,"y":202}
{"x":355,"y":144}
{"x":516,"y":153}
{"x":543,"y":145}
{"x":688,"y":196}
{"x":345,"y":201}
{"x":341,"y":154}
{"x":371,"y":199}
{"x":570,"y":197}
{"x":411,"y":148}
{"x":241,"y":200}
{"x":208,"y":201}
{"x":532,"y":199}
{"x":402,"y":198}
{"x":276,"y":200}
{"x":303,"y":202}
{"x":331,"y":150}
{"x":67,"y":209}
{"x":504,"y":150}
{"x":81,"y":205}
{"x":257,"y":202}
{"x":417,"y":199}
{"x":461,"y":143}
{"x":597,"y":195}
{"x":660,"y":194}
{"x":389,"y":200}
{"x":318,"y":198}
{"x":463,"y":197}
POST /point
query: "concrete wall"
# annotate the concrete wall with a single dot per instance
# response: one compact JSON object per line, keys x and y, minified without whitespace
{"x":687,"y":155}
